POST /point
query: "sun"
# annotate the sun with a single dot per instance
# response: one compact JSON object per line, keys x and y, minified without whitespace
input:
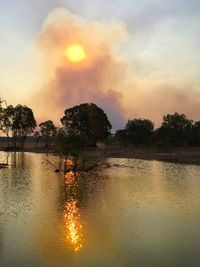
{"x":75,"y":53}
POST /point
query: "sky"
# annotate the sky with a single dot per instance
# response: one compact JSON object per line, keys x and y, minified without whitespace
{"x":142,"y":57}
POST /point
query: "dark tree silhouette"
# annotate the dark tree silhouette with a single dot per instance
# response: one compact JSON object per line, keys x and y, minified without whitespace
{"x":174,"y":130}
{"x":139,"y":131}
{"x":23,"y":124}
{"x":7,"y":120}
{"x":70,"y":142}
{"x":194,"y":134}
{"x":87,"y":120}
{"x":85,"y":124}
{"x":48,"y":131}
{"x":121,"y":137}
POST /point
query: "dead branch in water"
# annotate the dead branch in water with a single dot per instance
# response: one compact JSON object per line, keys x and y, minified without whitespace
{"x":75,"y":164}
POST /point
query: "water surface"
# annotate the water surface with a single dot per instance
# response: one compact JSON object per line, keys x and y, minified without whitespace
{"x":137,"y":213}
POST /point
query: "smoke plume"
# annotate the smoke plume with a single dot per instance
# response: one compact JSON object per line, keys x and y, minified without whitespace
{"x":93,"y":80}
{"x":103,"y":76}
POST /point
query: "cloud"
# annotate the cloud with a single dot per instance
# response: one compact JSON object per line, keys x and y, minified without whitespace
{"x":93,"y":80}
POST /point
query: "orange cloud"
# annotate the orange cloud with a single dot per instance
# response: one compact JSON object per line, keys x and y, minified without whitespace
{"x":93,"y":79}
{"x":102,"y":77}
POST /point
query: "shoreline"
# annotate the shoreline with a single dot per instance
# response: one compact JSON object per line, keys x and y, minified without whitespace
{"x":174,"y":155}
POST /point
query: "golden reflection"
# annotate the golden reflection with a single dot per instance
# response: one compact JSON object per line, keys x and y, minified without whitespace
{"x":69,"y":162}
{"x":73,"y":226}
{"x":70,"y":178}
{"x":68,"y":165}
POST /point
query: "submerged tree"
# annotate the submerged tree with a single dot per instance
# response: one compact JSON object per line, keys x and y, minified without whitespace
{"x":87,"y":120}
{"x":48,"y":131}
{"x":71,"y":144}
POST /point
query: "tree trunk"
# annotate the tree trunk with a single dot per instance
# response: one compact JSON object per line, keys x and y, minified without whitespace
{"x":8,"y":140}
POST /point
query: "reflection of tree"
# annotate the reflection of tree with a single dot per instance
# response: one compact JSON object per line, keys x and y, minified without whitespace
{"x":17,"y":159}
{"x":15,"y":197}
{"x":1,"y":239}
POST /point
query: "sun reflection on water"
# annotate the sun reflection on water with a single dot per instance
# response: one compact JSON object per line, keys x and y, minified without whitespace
{"x":70,"y":178}
{"x":73,"y":225}
{"x":68,"y":162}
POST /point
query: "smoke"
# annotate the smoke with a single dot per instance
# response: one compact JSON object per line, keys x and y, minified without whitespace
{"x":93,"y":80}
{"x":156,"y":101}
{"x":103,"y":76}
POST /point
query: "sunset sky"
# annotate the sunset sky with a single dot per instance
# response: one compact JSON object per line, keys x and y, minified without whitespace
{"x":139,"y":58}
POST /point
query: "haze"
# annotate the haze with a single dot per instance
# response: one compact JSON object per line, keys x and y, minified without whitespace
{"x":142,"y":59}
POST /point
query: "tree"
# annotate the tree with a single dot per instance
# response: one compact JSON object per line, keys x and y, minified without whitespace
{"x":24,"y":123}
{"x":48,"y":131}
{"x":139,"y":131}
{"x":121,"y":137}
{"x":194,"y":136}
{"x":87,"y":120}
{"x":37,"y":137}
{"x":70,"y":143}
{"x":7,"y":119}
{"x":1,"y":112}
{"x":174,"y":129}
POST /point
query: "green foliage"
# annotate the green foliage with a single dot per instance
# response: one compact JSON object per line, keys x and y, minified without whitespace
{"x":87,"y":120}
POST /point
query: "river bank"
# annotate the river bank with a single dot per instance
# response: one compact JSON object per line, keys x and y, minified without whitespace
{"x":180,"y":155}
{"x":177,"y":155}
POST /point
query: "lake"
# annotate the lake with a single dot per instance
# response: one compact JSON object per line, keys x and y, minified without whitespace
{"x":136,"y":213}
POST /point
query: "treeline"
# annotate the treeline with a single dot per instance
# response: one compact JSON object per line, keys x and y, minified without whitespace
{"x":16,"y":123}
{"x":176,"y":130}
{"x":86,"y":124}
{"x":82,"y":126}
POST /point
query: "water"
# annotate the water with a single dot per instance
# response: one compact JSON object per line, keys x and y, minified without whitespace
{"x":146,"y":214}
